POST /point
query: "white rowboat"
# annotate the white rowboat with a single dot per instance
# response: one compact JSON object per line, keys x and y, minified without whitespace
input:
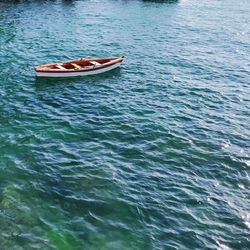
{"x":82,"y":67}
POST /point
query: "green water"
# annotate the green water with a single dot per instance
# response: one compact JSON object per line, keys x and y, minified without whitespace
{"x":154,"y":155}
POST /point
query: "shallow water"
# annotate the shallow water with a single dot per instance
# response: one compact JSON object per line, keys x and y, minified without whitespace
{"x":154,"y":155}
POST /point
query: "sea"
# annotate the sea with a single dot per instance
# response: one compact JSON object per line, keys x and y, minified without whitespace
{"x":152,"y":155}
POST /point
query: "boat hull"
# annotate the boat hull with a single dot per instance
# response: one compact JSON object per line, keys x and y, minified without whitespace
{"x":92,"y":71}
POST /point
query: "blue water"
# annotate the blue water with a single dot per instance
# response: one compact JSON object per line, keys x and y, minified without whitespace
{"x":154,"y":155}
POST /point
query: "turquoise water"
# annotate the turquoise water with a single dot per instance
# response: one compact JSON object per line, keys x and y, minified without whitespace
{"x":154,"y":155}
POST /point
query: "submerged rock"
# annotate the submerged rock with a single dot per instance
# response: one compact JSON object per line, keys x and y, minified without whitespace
{"x":10,"y":197}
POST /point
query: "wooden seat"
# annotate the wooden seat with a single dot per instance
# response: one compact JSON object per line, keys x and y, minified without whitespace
{"x":76,"y":66}
{"x":60,"y":67}
{"x":95,"y":63}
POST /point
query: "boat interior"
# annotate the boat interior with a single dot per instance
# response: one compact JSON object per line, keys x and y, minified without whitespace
{"x":74,"y":65}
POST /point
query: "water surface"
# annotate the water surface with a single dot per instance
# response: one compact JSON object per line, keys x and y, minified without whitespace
{"x":154,"y":155}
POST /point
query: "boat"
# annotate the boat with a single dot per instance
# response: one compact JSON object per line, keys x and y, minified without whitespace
{"x":82,"y":67}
